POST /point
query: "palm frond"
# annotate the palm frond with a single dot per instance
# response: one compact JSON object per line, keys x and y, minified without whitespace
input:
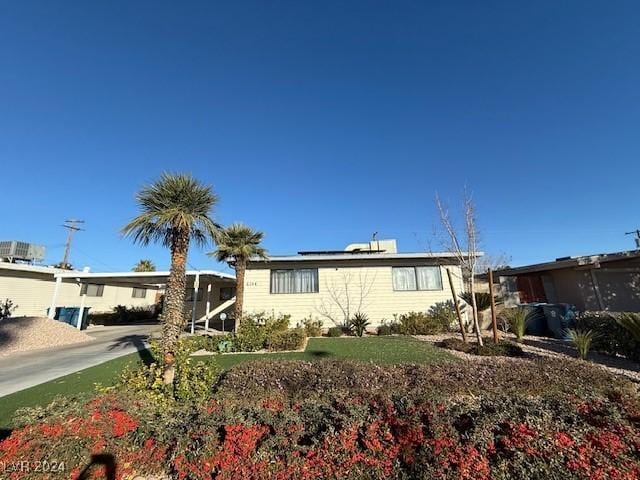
{"x":238,"y":242}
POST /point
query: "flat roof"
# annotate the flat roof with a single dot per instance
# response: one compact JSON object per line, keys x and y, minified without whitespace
{"x":311,"y":257}
{"x":141,"y":278}
{"x":568,"y":262}
{"x":26,"y":267}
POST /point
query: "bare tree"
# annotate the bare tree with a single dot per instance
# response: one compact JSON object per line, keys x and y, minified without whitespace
{"x":345,"y":296}
{"x":464,"y":245}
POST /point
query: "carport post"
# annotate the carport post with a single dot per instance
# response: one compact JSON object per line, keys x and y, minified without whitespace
{"x":81,"y":313}
{"x":196,"y":284}
{"x":206,"y":321}
{"x":52,"y":307}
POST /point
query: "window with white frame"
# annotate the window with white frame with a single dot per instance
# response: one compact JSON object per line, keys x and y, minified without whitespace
{"x":416,"y":278}
{"x":299,"y":280}
{"x":92,"y":290}
{"x":139,"y":292}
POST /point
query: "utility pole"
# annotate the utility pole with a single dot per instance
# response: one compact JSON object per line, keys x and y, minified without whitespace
{"x":637,"y":234}
{"x":72,"y":226}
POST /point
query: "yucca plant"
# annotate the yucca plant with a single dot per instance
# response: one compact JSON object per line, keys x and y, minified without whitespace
{"x":517,"y":319}
{"x":359,"y":323}
{"x":629,"y":321}
{"x":582,"y":340}
{"x":483,"y":300}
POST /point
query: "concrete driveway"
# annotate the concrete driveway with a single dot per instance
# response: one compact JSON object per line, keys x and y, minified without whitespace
{"x":26,"y":369}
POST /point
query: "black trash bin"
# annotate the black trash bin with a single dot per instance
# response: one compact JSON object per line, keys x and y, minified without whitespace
{"x":560,"y":317}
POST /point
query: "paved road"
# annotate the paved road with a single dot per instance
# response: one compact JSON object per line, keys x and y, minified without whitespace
{"x":27,"y":369}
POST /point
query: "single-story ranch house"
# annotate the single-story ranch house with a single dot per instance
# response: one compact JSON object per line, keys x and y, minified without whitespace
{"x":372,"y":278}
{"x":607,"y":281}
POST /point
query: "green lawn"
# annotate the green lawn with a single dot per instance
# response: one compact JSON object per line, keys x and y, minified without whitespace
{"x":369,"y":349}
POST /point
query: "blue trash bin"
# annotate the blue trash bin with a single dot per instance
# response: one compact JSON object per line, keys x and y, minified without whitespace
{"x":536,"y":321}
{"x":560,"y":317}
{"x":69,"y":315}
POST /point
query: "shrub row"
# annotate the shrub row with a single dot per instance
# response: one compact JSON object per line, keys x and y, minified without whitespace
{"x":124,"y":314}
{"x":371,"y":430}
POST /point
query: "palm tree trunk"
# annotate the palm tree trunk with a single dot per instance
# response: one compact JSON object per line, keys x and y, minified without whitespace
{"x":173,"y":317}
{"x":240,"y":269}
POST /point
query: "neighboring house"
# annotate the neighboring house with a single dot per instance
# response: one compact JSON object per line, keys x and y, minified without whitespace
{"x":31,"y":287}
{"x":609,"y":281}
{"x":372,"y":278}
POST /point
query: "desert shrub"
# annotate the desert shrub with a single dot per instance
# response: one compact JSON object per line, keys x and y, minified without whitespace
{"x":313,"y":328}
{"x":612,"y":337}
{"x":384,"y":329}
{"x":334,"y":332}
{"x":444,"y":314}
{"x":517,"y":319}
{"x":293,"y":339}
{"x":7,"y":308}
{"x":420,"y":323}
{"x":359,"y":323}
{"x":250,"y":336}
{"x":193,"y":380}
{"x":489,"y":349}
{"x":582,"y":340}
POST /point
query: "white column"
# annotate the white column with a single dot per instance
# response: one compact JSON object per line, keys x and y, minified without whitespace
{"x":56,"y":289}
{"x":206,"y":322}
{"x":196,"y":284}
{"x":81,"y":312}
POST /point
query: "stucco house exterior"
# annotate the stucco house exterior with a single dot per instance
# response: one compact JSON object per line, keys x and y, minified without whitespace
{"x":372,"y":278}
{"x":608,"y":281}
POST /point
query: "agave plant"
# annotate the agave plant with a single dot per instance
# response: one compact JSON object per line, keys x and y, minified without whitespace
{"x":359,"y":323}
{"x":483,"y":300}
{"x":629,"y":321}
{"x":582,"y":340}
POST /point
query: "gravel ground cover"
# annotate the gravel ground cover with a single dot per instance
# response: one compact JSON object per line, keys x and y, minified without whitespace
{"x":21,"y":334}
{"x":538,"y":347}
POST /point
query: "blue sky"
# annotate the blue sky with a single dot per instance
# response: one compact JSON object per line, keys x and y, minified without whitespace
{"x":322,"y":122}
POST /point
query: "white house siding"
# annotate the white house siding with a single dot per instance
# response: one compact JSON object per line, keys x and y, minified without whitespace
{"x":380,"y":304}
{"x":32,"y":293}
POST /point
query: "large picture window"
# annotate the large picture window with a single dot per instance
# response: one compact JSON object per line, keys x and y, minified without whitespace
{"x":416,"y":278}
{"x":301,"y":280}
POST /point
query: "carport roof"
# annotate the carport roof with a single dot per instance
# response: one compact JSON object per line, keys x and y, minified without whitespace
{"x":141,"y":278}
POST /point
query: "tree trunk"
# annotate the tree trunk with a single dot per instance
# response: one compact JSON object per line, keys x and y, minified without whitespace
{"x":474,"y":308}
{"x":240,"y":269}
{"x":173,"y":319}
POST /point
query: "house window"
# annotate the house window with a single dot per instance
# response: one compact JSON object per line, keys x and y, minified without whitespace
{"x":91,"y":290}
{"x":227,"y":293}
{"x":301,"y":280}
{"x":139,"y":292}
{"x":190,"y":294}
{"x":416,"y":278}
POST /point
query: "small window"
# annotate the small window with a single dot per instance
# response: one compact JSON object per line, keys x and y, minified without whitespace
{"x":416,"y":278}
{"x":91,"y":290}
{"x":302,"y":280}
{"x":190,"y":294}
{"x":139,"y":293}
{"x":227,"y":293}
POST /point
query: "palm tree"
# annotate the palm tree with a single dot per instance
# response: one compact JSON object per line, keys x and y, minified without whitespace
{"x":237,"y":244}
{"x":174,"y":211}
{"x":145,"y":265}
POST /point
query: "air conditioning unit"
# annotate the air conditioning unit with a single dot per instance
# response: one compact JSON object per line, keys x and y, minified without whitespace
{"x":15,"y":250}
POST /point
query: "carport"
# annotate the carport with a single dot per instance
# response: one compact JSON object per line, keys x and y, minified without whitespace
{"x":201,"y":307}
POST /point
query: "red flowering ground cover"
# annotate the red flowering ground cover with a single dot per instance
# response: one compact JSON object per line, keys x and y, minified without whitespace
{"x":347,"y":433}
